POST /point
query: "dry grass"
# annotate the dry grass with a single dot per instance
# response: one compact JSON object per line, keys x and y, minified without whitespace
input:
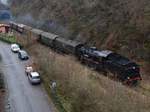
{"x":83,"y":90}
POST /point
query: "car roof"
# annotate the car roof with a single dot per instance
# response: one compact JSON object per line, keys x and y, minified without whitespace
{"x":49,"y":35}
{"x":35,"y":74}
{"x":37,"y":31}
{"x":22,"y":51}
{"x":29,"y":68}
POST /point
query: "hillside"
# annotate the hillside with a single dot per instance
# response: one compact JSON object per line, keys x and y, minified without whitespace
{"x":120,"y":25}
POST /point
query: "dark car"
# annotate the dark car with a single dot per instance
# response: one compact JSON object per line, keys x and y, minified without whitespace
{"x":23,"y":55}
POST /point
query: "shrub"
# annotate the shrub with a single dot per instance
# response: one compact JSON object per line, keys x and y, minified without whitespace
{"x":7,"y":39}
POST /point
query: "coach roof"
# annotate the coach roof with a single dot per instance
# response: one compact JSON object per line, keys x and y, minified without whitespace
{"x":68,"y":42}
{"x":37,"y":31}
{"x":28,"y":28}
{"x":21,"y":25}
{"x":49,"y":35}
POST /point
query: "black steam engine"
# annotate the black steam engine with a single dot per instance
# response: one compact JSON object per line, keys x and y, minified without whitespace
{"x":108,"y":61}
{"x":102,"y":60}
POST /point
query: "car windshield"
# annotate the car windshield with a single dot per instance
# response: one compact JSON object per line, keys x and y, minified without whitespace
{"x":36,"y":77}
{"x":15,"y":47}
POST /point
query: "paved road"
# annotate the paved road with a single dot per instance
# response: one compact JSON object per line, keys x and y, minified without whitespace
{"x":23,"y":97}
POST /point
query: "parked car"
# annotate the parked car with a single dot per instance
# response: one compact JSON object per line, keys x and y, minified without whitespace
{"x":34,"y":77}
{"x":28,"y":69}
{"x":15,"y":48}
{"x":23,"y":55}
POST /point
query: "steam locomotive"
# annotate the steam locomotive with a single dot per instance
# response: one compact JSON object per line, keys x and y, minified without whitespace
{"x":105,"y":60}
{"x":102,"y":60}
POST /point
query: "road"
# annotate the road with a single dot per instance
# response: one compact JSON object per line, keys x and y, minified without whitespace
{"x":22,"y":96}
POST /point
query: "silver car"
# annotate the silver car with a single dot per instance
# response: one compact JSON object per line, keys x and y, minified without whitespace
{"x":34,"y":78}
